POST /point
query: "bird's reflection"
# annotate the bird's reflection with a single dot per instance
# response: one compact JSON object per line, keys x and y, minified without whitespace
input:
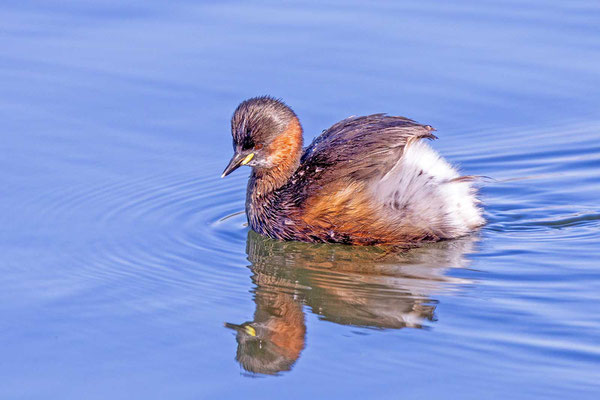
{"x":361,"y":286}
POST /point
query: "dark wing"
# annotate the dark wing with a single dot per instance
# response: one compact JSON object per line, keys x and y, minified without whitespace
{"x":359,"y":148}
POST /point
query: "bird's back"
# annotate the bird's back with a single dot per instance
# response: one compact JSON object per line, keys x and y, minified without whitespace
{"x":372,"y":180}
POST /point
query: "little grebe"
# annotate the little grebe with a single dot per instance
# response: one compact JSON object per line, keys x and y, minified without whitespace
{"x":367,"y":180}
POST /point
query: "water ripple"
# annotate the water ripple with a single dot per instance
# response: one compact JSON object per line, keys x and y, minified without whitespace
{"x":154,"y":229}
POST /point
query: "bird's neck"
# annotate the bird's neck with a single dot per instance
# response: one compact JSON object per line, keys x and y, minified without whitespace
{"x":284,"y":156}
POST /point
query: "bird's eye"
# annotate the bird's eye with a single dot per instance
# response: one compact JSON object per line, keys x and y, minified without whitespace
{"x":247,"y":143}
{"x":258,"y":146}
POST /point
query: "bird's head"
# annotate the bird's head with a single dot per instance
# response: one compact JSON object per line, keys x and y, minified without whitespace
{"x":266,"y":134}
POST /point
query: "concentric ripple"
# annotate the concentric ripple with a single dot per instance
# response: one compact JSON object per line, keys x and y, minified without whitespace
{"x":176,"y":229}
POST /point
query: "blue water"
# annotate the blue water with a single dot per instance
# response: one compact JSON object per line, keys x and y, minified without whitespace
{"x":123,"y":255}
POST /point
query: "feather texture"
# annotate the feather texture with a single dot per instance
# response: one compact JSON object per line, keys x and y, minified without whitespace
{"x":369,"y":180}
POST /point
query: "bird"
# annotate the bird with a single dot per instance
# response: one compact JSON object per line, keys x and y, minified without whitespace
{"x":367,"y":180}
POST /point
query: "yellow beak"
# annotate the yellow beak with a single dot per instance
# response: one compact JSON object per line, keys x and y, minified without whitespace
{"x":248,"y":158}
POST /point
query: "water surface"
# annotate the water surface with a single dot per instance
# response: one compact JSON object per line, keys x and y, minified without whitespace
{"x":123,"y":255}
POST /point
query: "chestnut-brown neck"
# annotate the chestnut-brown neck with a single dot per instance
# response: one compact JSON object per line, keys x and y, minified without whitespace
{"x":284,"y":156}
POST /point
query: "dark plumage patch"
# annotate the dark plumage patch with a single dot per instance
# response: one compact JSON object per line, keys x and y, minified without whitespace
{"x":361,"y":147}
